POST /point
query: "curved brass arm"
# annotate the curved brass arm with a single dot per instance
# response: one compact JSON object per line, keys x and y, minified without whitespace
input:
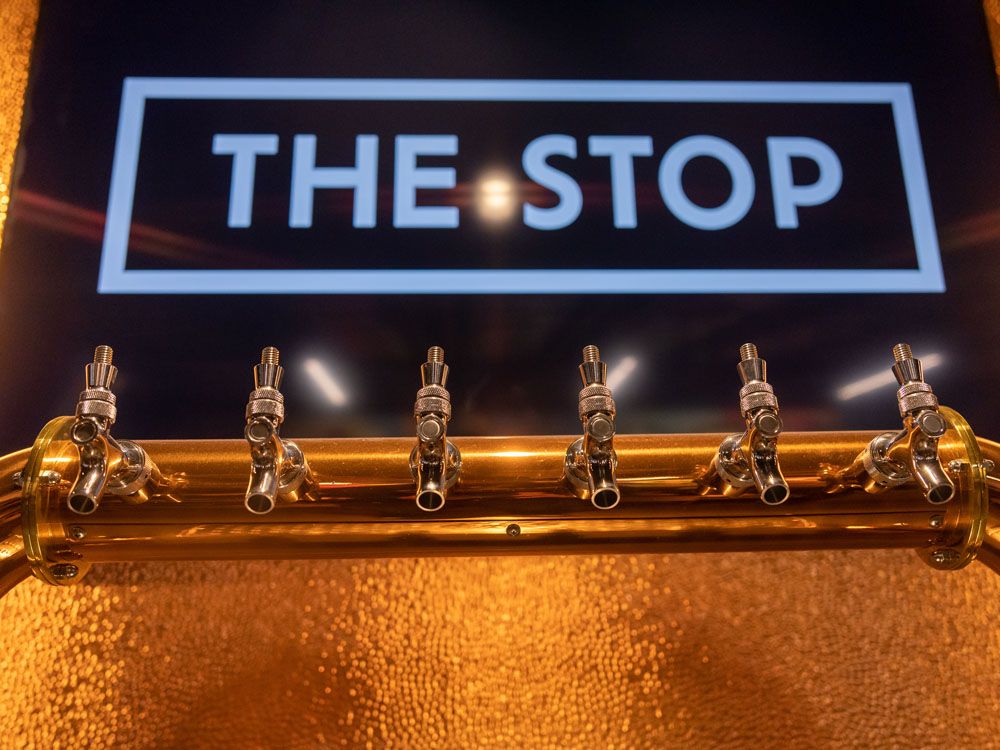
{"x":989,"y":554}
{"x":13,"y":560}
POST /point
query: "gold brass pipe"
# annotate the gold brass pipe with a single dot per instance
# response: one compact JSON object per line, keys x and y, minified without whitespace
{"x":13,"y":560}
{"x":511,"y":500}
{"x":989,"y":553}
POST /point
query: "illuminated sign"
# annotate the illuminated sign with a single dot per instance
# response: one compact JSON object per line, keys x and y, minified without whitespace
{"x":418,"y":164}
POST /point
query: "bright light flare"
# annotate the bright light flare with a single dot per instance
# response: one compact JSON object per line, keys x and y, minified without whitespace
{"x":621,"y":371}
{"x":495,"y":197}
{"x":881,"y":379}
{"x":325,"y":382}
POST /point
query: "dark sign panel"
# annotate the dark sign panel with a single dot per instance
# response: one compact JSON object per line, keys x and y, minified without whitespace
{"x":310,"y":156}
{"x":353,"y":183}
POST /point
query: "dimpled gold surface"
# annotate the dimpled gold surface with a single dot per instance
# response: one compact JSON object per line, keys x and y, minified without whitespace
{"x":17,"y":30}
{"x":992,"y":8}
{"x":828,"y":649}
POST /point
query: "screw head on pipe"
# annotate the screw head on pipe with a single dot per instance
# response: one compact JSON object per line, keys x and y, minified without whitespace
{"x":430,"y":429}
{"x":944,"y":558}
{"x":932,"y":424}
{"x":64,"y":571}
{"x":768,"y":424}
{"x":600,"y":427}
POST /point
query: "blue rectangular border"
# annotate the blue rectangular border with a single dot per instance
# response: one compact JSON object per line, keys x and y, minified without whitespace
{"x":115,"y":279}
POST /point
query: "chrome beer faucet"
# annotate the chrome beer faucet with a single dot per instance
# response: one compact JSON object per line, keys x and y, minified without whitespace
{"x":894,"y":458}
{"x":118,"y":467}
{"x":435,"y":461}
{"x":278,"y":468}
{"x":750,"y":459}
{"x":591,"y":462}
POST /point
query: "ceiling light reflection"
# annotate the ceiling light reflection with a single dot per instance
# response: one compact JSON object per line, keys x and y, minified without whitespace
{"x":621,"y":371}
{"x":495,"y":197}
{"x":325,"y":382}
{"x":881,"y":379}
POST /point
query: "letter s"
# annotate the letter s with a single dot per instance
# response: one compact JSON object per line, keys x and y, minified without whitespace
{"x":570,"y":196}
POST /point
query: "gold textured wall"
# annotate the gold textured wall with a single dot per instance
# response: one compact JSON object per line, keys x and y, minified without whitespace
{"x":849,"y":649}
{"x":791,"y":650}
{"x":17,"y":30}
{"x":992,"y":8}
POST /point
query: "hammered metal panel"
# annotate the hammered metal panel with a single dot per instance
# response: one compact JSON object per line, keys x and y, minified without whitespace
{"x":992,"y":8}
{"x":17,"y":31}
{"x":834,"y":649}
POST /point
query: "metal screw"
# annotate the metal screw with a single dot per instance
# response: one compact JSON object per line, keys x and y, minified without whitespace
{"x":49,"y":477}
{"x":932,"y":423}
{"x":937,"y":521}
{"x":601,"y":427}
{"x":988,"y":465}
{"x":64,"y":571}
{"x":955,"y":466}
{"x":429,"y":429}
{"x":768,"y":424}
{"x":748,"y":351}
{"x":18,"y":479}
{"x":435,"y":354}
{"x":591,"y":353}
{"x":77,"y":533}
{"x":944,"y":557}
{"x":513,"y":530}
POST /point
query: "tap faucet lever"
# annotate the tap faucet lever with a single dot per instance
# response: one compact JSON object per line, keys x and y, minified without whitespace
{"x":278,"y":468}
{"x":895,"y":458}
{"x":435,"y":461}
{"x":591,"y":462}
{"x":750,"y":459}
{"x":107,"y":465}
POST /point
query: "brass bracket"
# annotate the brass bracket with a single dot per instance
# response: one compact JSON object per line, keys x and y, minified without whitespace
{"x":960,"y":535}
{"x":48,"y":541}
